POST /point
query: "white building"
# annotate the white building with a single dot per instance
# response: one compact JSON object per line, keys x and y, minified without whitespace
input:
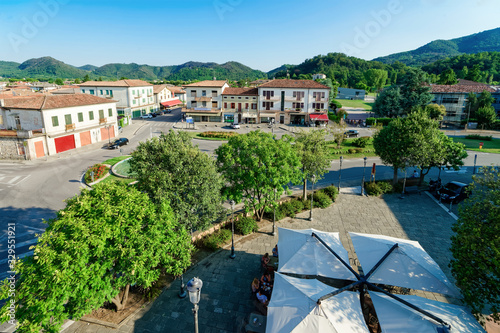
{"x":163,"y":97}
{"x":178,"y":92}
{"x":319,"y":76}
{"x":204,"y":100}
{"x":134,"y":97}
{"x":293,"y":102}
{"x":36,"y":126}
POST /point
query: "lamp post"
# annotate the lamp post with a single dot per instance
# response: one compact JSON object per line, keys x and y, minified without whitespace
{"x":313,"y":180}
{"x":404,"y":185}
{"x":274,"y":213}
{"x":182,"y":292}
{"x":194,"y":288}
{"x":232,"y":256}
{"x":363,"y":181}
{"x":340,"y":171}
{"x":109,"y":138}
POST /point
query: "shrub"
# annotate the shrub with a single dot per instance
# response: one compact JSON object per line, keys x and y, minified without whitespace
{"x":351,"y":150}
{"x":245,"y":225}
{"x":479,"y":137}
{"x":287,"y":209}
{"x":386,"y":187}
{"x":100,"y":170}
{"x":217,"y":239}
{"x":332,"y":192}
{"x":361,"y":142}
{"x":358,"y":150}
{"x":219,"y":135}
{"x":321,"y":199}
{"x":373,"y":189}
{"x":298,"y":205}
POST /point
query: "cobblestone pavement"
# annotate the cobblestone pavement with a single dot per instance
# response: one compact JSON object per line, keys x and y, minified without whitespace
{"x":226,"y":303}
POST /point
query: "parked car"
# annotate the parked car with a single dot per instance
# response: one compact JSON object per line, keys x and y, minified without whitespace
{"x":146,"y":116}
{"x":167,"y":111}
{"x":351,"y":134}
{"x":235,"y":126}
{"x":453,"y":192}
{"x":118,"y":143}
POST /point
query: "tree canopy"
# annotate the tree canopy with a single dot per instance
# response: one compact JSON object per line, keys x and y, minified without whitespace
{"x":105,"y":240}
{"x":255,"y":165}
{"x":486,"y":116}
{"x":476,"y":244}
{"x":170,"y":168}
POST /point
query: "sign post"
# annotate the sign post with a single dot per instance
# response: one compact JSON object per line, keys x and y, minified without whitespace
{"x":373,"y":172}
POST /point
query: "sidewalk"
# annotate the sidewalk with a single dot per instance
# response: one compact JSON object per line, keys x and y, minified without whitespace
{"x":225,"y":301}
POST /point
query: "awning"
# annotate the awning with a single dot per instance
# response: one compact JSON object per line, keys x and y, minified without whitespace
{"x":323,"y":117}
{"x":171,"y":103}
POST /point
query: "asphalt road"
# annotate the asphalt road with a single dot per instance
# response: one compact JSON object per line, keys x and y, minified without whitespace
{"x":33,"y":191}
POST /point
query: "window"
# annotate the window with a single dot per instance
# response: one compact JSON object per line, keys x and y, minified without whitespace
{"x":144,"y":100}
{"x":215,"y":105}
{"x":246,"y":97}
{"x":233,"y":105}
{"x":91,"y":91}
{"x":193,"y":104}
{"x":67,"y":119}
{"x":143,"y":91}
{"x":110,"y":112}
{"x":80,"y":117}
{"x":225,"y":105}
{"x":214,"y":93}
{"x":55,"y":121}
{"x":91,"y":115}
{"x":450,"y":100}
{"x":203,"y":93}
{"x":133,"y":101}
{"x":254,"y":106}
{"x":193,"y":93}
{"x":246,"y":105}
{"x":83,"y":91}
{"x":299,"y":95}
{"x":101,"y":114}
{"x":239,"y":97}
{"x":101,"y":92}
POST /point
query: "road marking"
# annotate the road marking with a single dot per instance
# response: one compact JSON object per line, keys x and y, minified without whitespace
{"x":13,"y":179}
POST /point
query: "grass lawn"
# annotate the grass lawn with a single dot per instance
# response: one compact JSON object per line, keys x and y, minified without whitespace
{"x":114,"y":160}
{"x":488,"y":147}
{"x":335,"y":153}
{"x":111,"y":178}
{"x":356,"y":104}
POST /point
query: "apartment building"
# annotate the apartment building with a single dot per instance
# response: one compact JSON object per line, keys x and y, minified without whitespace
{"x":163,"y":97}
{"x":204,"y":100}
{"x":35,"y":126}
{"x":239,"y":105}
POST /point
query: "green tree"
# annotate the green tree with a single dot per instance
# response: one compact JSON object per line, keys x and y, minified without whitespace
{"x":313,"y":152}
{"x":86,"y":78}
{"x":448,"y":76}
{"x":78,"y":81}
{"x":388,"y":103}
{"x":476,"y":246}
{"x":105,"y":240}
{"x":471,"y":105}
{"x":376,"y":78}
{"x":475,"y":73}
{"x":170,"y":168}
{"x":59,"y":81}
{"x":255,"y":165}
{"x":485,"y":99}
{"x":435,"y":111}
{"x":486,"y":117}
{"x":414,"y":92}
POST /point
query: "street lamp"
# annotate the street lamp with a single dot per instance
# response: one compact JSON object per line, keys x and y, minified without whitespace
{"x":340,"y":171}
{"x":313,"y":180}
{"x":232,"y":256}
{"x":182,"y":292}
{"x":363,"y":181}
{"x":404,"y":184}
{"x":194,"y":288}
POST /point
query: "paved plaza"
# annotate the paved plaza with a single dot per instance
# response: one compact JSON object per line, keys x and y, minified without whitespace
{"x":226,"y":296}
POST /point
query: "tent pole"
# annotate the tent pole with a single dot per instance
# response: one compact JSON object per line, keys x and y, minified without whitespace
{"x":430,"y":315}
{"x":338,"y":291}
{"x":381,"y":260}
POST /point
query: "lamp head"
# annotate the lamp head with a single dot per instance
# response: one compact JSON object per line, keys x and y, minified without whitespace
{"x":194,"y":288}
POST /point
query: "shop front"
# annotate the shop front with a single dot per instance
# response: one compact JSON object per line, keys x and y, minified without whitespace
{"x":318,"y":119}
{"x":229,"y":118}
{"x":268,"y":118}
{"x":297,"y":119}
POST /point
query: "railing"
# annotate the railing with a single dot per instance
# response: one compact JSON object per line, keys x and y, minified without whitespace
{"x":109,"y":96}
{"x":320,"y":100}
{"x":271,"y":98}
{"x":103,"y":120}
{"x":321,"y":110}
{"x":70,"y":127}
{"x":294,"y":99}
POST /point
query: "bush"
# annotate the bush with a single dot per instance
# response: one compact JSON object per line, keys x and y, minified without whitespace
{"x":100,"y":170}
{"x":219,"y":135}
{"x":333,"y":117}
{"x":351,"y":150}
{"x":361,"y":142}
{"x":334,"y":104}
{"x":479,"y":137}
{"x":358,"y":150}
{"x":373,"y":189}
{"x":287,"y":209}
{"x":321,"y":199}
{"x":386,"y":187}
{"x":332,"y":192}
{"x":298,"y":205}
{"x":378,"y":121}
{"x":217,"y":239}
{"x":245,"y":225}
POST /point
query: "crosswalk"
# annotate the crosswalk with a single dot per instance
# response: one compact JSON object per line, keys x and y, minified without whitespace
{"x":12,"y":174}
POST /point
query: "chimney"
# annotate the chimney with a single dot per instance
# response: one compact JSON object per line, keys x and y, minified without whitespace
{"x":215,"y":78}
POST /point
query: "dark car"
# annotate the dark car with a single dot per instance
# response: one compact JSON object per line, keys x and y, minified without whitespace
{"x":453,"y":192}
{"x":351,"y":134}
{"x":118,"y":143}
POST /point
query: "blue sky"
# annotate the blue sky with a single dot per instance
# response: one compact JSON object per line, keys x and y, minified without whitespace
{"x":262,"y":34}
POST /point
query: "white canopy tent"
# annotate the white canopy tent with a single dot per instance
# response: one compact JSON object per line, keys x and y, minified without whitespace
{"x":301,"y":253}
{"x":394,"y":317}
{"x":408,"y":265}
{"x":294,"y":308}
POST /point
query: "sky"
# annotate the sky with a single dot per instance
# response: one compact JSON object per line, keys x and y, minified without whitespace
{"x":262,"y":34}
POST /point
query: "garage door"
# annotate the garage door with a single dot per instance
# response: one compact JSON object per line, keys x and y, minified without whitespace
{"x":39,"y":149}
{"x":85,"y":138}
{"x":104,"y":133}
{"x":65,"y":143}
{"x":136,"y":114}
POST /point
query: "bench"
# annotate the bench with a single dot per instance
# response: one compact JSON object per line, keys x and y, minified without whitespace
{"x":412,"y":189}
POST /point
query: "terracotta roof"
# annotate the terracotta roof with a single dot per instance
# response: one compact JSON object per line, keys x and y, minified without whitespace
{"x":241,"y":91}
{"x":207,"y":83}
{"x":460,"y":88}
{"x":301,"y":84}
{"x":157,"y":88}
{"x":463,"y":82}
{"x":47,"y":102}
{"x":121,"y":83}
{"x":176,"y":90}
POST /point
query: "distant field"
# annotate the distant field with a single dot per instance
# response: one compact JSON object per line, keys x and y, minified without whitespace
{"x":356,"y":104}
{"x":488,"y":147}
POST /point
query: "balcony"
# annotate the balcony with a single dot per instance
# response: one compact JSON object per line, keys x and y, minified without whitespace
{"x":70,"y":127}
{"x":248,"y":113}
{"x":271,"y":98}
{"x":103,"y":121}
{"x":321,"y":100}
{"x":109,"y":96}
{"x":203,"y":99}
{"x":294,"y":99}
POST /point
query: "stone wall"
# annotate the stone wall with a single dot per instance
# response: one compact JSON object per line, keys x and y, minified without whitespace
{"x":12,"y":149}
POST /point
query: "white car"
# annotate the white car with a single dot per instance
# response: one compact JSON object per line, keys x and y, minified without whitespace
{"x":146,"y":116}
{"x":235,"y":126}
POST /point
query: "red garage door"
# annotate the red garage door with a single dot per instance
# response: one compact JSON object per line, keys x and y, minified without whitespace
{"x":65,"y":143}
{"x":104,"y":133}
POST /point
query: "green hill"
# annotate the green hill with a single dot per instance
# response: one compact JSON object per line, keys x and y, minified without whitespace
{"x":486,"y":41}
{"x":9,"y":69}
{"x":47,"y":67}
{"x":87,"y":67}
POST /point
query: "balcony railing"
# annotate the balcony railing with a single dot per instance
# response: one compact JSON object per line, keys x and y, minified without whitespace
{"x":294,"y":99}
{"x":70,"y":127}
{"x":103,"y":120}
{"x":324,"y":100}
{"x":271,"y":98}
{"x":109,"y":96}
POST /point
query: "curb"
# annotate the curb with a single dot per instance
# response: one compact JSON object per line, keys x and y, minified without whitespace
{"x":442,"y":206}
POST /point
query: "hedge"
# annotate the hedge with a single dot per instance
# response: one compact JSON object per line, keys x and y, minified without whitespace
{"x":378,"y":121}
{"x":245,"y":225}
{"x":219,"y":135}
{"x":479,"y":137}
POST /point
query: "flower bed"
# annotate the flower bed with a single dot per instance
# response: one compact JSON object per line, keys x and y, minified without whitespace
{"x":218,"y":135}
{"x":100,"y":170}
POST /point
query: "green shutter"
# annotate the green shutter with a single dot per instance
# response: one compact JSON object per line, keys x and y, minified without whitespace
{"x":110,"y":112}
{"x":101,"y":114}
{"x":91,"y":115}
{"x":55,"y":121}
{"x":80,"y":117}
{"x":67,"y":119}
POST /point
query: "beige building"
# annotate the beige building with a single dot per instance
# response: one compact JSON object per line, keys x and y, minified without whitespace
{"x":204,"y":100}
{"x":239,"y":105}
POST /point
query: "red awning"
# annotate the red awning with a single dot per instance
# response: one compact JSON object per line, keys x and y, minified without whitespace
{"x":323,"y":117}
{"x":171,"y":103}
